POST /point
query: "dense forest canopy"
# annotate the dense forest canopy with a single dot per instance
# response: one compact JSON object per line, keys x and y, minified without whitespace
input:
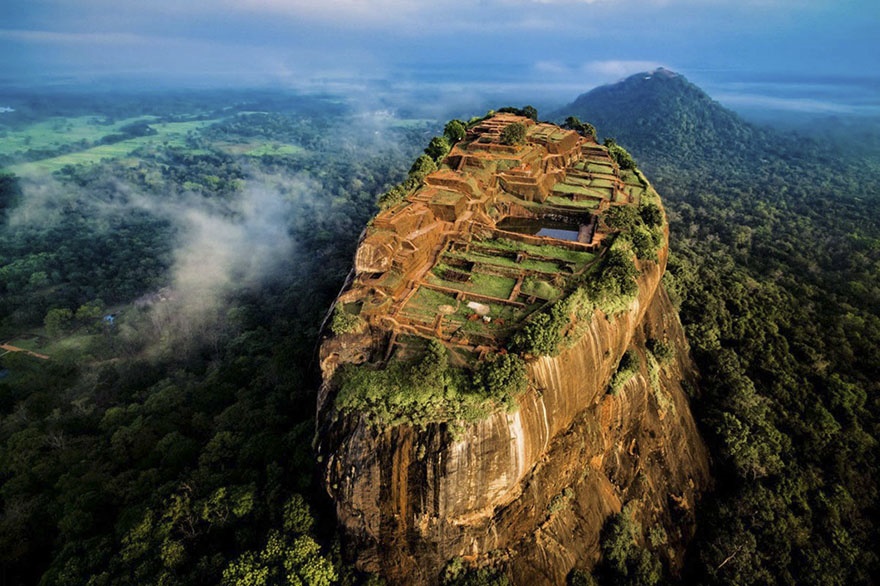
{"x":174,"y":257}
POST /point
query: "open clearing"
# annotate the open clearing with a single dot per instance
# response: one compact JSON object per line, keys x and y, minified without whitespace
{"x":167,"y":133}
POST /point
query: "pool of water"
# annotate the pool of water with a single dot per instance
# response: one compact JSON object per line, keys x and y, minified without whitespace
{"x":541,"y":227}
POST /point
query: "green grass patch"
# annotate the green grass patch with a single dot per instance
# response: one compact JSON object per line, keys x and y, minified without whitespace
{"x":577,"y":257}
{"x":479,"y":283}
{"x":600,"y":183}
{"x":571,"y":188}
{"x":602,"y":168}
{"x":545,"y":266}
{"x":32,"y":344}
{"x":540,"y":288}
{"x":585,"y":204}
{"x":426,"y":301}
{"x":626,"y":370}
{"x":61,"y":132}
{"x":167,"y":133}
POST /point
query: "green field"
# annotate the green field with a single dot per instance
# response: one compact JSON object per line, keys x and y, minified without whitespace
{"x":167,"y":133}
{"x":60,"y":132}
{"x":540,"y":288}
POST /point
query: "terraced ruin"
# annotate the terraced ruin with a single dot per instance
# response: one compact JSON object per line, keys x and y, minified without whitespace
{"x":490,"y":384}
{"x":494,"y":235}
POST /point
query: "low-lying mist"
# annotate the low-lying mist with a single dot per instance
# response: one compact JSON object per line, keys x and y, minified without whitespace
{"x":220,"y":246}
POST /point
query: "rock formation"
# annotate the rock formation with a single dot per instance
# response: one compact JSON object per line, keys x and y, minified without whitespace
{"x":524,"y":484}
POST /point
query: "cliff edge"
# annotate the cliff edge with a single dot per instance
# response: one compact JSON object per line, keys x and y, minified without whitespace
{"x":506,"y":371}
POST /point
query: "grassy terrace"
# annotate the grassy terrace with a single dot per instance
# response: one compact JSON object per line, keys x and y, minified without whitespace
{"x":541,"y":289}
{"x":635,"y":192}
{"x":595,"y":167}
{"x":588,"y":189}
{"x":586,"y":204}
{"x":479,"y":283}
{"x":546,"y":251}
{"x":488,"y":258}
{"x":427,"y":303}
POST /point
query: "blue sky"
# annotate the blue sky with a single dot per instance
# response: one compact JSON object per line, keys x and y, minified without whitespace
{"x":551,"y":49}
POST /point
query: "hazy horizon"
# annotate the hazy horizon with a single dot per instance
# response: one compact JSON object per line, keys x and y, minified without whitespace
{"x":818,"y":57}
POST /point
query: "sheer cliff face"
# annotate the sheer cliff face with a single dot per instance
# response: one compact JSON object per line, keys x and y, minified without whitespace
{"x":530,"y":488}
{"x":533,"y":486}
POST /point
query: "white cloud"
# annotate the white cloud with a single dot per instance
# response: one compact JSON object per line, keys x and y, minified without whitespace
{"x":804,"y":105}
{"x":619,"y":68}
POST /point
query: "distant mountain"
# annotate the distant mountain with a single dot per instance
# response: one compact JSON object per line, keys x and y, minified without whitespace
{"x":663,"y":118}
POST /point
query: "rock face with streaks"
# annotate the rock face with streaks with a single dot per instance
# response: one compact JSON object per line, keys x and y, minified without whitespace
{"x":526,"y":489}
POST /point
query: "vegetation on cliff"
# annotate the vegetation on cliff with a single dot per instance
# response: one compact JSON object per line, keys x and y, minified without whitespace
{"x":428,"y":390}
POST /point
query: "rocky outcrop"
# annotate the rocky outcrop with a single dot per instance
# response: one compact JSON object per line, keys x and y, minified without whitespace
{"x":526,"y":489}
{"x":532,"y":487}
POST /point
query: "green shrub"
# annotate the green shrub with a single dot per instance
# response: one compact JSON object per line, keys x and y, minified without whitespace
{"x":527,"y":111}
{"x":623,"y":561}
{"x":438,"y":148}
{"x":457,"y":574}
{"x":514,"y":134}
{"x":396,"y":194}
{"x":561,"y":501}
{"x":578,"y":577}
{"x":651,"y":215}
{"x":626,"y":369}
{"x":662,"y":351}
{"x":645,"y":243}
{"x":502,"y":377}
{"x":622,"y":218}
{"x":582,"y":128}
{"x":454,"y":131}
{"x":540,"y":336}
{"x":614,"y":285}
{"x":344,"y":322}
{"x":546,"y":331}
{"x":422,"y":167}
{"x":619,"y":154}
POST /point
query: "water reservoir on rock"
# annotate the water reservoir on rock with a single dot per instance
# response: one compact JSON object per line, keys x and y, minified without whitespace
{"x":576,"y":230}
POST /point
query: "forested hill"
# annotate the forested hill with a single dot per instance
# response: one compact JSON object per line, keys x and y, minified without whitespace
{"x":662,"y":117}
{"x":775,"y":262}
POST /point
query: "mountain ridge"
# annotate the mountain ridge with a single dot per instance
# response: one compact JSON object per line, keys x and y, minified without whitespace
{"x":662,"y":117}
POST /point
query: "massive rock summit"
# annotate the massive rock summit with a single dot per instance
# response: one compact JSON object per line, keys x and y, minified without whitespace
{"x":506,"y":370}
